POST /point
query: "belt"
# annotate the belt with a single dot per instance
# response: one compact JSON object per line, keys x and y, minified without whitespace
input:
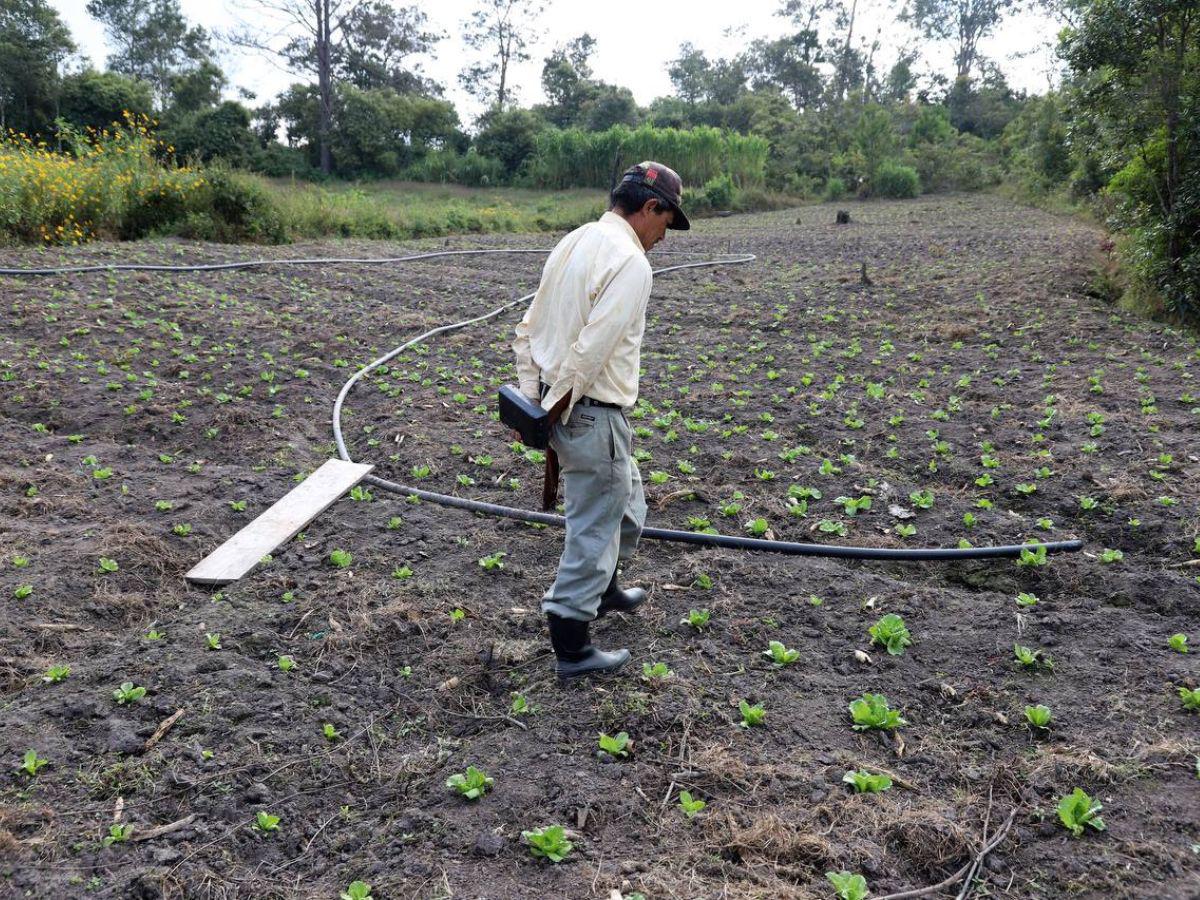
{"x":585,"y":401}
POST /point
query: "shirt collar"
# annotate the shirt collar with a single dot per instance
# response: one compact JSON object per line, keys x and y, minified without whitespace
{"x":613,"y":219}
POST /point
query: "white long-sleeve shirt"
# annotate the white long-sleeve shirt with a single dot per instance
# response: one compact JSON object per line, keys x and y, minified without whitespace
{"x":582,"y":334}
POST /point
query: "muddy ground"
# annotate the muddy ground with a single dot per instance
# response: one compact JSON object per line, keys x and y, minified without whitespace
{"x":146,"y":417}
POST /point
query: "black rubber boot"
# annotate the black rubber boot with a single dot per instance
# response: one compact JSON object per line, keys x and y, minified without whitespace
{"x":616,"y":600}
{"x":575,"y":654}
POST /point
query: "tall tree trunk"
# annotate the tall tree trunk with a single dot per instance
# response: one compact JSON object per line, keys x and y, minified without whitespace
{"x":325,"y":85}
{"x":844,"y":67}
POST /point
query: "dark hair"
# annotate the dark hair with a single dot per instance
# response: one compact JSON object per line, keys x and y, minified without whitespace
{"x":631,"y":197}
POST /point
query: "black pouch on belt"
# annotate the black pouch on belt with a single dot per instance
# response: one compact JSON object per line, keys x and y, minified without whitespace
{"x":524,"y":416}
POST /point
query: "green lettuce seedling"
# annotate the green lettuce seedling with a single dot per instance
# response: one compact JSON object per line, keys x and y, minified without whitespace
{"x":265,"y":822}
{"x":781,"y":655}
{"x":690,"y":805}
{"x":1190,"y":698}
{"x":1077,"y":809}
{"x":340,"y":558}
{"x":471,"y":784}
{"x":118,"y":833}
{"x":890,"y":632}
{"x":56,"y":674}
{"x":697,"y":618}
{"x":615,"y":747}
{"x":1178,"y":643}
{"x":1029,"y":658}
{"x":849,"y":885}
{"x":873,"y":711}
{"x":357,"y":890}
{"x":31,"y":763}
{"x":1038,"y":716}
{"x":549,"y":842}
{"x":751,"y":715}
{"x":128,"y":693}
{"x":866,"y":783}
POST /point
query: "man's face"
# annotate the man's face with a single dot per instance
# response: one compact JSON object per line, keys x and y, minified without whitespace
{"x":651,"y":226}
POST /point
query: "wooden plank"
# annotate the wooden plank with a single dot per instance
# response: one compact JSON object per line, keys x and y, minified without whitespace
{"x":279,"y":524}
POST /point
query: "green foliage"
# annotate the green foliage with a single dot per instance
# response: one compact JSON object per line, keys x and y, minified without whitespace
{"x":471,"y":784}
{"x":615,"y":746}
{"x":1038,"y":716}
{"x":848,"y":885}
{"x":31,"y":763}
{"x":696,"y":618}
{"x":1031,"y":658}
{"x":266,"y":822}
{"x":340,"y":558}
{"x":780,"y":655}
{"x":895,"y":181}
{"x":865,"y":782}
{"x":1178,"y":643}
{"x":690,"y":805}
{"x":835,"y":188}
{"x":891,"y":632}
{"x":872,"y":711}
{"x":356,"y":890}
{"x":549,"y":842}
{"x":751,"y":715}
{"x":1190,"y":697}
{"x":128,"y":693}
{"x":118,"y":833}
{"x":1077,"y":810}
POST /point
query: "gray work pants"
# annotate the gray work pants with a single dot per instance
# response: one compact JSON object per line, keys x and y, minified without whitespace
{"x":605,"y":507}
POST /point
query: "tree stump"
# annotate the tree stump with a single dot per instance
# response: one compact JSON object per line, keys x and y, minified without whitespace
{"x":843,"y":217}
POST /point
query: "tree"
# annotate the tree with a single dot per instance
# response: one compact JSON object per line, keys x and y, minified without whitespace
{"x":964,"y":22}
{"x":501,"y":31}
{"x":689,"y":73}
{"x":1139,"y":66}
{"x":197,"y":89}
{"x":790,"y":64}
{"x":566,"y":81}
{"x":333,"y":41}
{"x":379,"y":42}
{"x":98,"y":99}
{"x":33,"y":44}
{"x":152,"y":41}
{"x":509,"y":136}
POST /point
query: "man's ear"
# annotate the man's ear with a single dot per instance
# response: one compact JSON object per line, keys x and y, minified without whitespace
{"x":651,"y":207}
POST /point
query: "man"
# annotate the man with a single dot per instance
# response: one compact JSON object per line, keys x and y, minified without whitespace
{"x":578,"y":350}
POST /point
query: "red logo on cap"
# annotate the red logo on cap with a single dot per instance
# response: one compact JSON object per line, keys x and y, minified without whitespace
{"x":651,"y":174}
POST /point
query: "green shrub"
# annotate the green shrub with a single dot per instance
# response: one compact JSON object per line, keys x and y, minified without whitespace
{"x":835,"y":189}
{"x":240,"y":208}
{"x":895,"y":181}
{"x":720,"y":192}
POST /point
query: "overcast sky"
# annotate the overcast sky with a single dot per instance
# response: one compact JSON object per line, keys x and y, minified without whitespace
{"x":635,"y":41}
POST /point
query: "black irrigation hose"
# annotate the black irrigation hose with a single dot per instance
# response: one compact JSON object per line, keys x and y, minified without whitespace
{"x":732,"y":542}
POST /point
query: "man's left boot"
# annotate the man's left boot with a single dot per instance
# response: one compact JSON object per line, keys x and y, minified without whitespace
{"x":616,"y":600}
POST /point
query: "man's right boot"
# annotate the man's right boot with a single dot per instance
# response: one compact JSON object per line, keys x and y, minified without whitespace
{"x":575,"y":654}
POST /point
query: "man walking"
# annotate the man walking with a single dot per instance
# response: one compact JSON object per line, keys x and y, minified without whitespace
{"x":578,"y":350}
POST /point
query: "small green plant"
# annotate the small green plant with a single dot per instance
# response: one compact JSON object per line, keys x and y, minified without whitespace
{"x":403,"y":573}
{"x":1077,"y":810}
{"x":55,"y":674}
{"x":331,"y":734}
{"x":549,"y":842}
{"x":1178,"y":643}
{"x":658,"y":672}
{"x":128,"y":692}
{"x":865,"y":782}
{"x":356,"y":890}
{"x":922,"y":499}
{"x":848,"y":885}
{"x":31,"y":763}
{"x":1031,"y":658}
{"x":265,"y":822}
{"x":286,"y":663}
{"x":340,"y":558}
{"x":1027,"y":600}
{"x":108,"y":565}
{"x":118,"y":833}
{"x":182,"y":529}
{"x":890,"y":632}
{"x":873,"y":711}
{"x":471,"y":784}
{"x":689,"y":804}
{"x":1034,"y":557}
{"x":853,"y":507}
{"x":697,"y":618}
{"x":1038,"y":716}
{"x":213,"y":639}
{"x":615,"y":746}
{"x":780,"y":655}
{"x":520,"y":705}
{"x":493,"y":562}
{"x":1108,"y":557}
{"x":1190,"y":698}
{"x":751,"y":715}
{"x":23,"y":591}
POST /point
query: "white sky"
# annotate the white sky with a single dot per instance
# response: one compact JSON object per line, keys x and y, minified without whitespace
{"x":636,"y":40}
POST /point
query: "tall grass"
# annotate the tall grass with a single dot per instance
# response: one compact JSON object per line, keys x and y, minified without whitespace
{"x":571,"y":157}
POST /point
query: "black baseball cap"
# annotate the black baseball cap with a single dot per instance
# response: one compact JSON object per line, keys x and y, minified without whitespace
{"x":665,"y":183}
